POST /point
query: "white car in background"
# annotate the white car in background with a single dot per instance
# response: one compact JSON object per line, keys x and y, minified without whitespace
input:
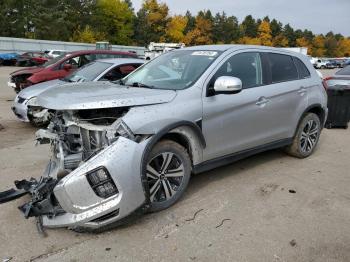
{"x":99,"y":70}
{"x":321,"y":64}
{"x":55,"y":53}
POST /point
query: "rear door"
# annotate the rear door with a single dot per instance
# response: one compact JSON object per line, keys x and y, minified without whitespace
{"x":287,"y":93}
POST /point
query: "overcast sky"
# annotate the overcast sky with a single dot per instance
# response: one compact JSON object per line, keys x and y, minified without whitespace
{"x":320,"y":16}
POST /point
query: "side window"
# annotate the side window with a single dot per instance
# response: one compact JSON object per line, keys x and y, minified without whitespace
{"x":302,"y":69}
{"x":84,"y":59}
{"x":245,"y":66}
{"x":282,"y":68}
{"x":74,"y":61}
{"x":119,"y":72}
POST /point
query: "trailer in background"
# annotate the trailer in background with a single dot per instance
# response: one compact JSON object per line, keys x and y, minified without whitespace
{"x":156,"y":49}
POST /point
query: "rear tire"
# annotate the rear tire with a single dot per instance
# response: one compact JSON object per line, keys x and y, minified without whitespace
{"x":306,"y":137}
{"x":168,"y":171}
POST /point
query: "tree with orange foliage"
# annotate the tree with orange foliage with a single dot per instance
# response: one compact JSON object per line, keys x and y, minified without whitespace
{"x":201,"y":34}
{"x":175,"y":28}
{"x":318,"y":49}
{"x":344,"y":47}
{"x":280,"y":41}
{"x":264,"y":33}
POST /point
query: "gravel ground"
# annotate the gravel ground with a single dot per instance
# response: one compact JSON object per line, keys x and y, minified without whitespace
{"x":269,"y":207}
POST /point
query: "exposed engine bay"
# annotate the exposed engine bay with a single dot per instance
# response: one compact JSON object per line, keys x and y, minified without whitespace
{"x":75,"y":137}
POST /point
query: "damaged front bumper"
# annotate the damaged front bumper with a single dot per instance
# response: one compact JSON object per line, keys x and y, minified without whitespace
{"x":71,"y":199}
{"x":83,"y":207}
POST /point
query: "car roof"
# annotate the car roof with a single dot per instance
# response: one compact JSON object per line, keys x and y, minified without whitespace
{"x":234,"y":47}
{"x":120,"y":61}
{"x":82,"y":52}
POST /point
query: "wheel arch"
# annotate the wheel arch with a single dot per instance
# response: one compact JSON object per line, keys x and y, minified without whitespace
{"x":316,"y":109}
{"x":187,"y":134}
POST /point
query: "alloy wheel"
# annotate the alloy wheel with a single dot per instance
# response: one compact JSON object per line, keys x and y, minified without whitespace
{"x":165,"y":173}
{"x":309,"y":136}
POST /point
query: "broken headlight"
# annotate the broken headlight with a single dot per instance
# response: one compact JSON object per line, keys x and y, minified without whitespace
{"x":102,"y":183}
{"x":32,"y":101}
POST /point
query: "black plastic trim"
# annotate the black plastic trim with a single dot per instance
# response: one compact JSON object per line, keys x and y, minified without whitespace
{"x":228,"y":159}
{"x":319,"y":106}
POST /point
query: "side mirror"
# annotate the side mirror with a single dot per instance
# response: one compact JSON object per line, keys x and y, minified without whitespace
{"x":227,"y":85}
{"x":67,"y":67}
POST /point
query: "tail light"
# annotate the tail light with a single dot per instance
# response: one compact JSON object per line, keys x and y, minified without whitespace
{"x":324,"y":82}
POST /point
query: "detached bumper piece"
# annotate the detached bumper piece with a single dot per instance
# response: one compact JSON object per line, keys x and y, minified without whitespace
{"x":11,"y":194}
{"x":43,"y":201}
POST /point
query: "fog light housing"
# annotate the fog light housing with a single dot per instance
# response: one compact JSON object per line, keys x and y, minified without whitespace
{"x":102,"y":183}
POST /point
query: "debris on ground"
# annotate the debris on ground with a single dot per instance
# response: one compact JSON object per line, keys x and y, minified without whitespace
{"x":268,"y":189}
{"x":292,"y":191}
{"x":108,"y":249}
{"x":1,"y":127}
{"x":194,"y":216}
{"x":6,"y":259}
{"x":293,"y":243}
{"x":222,"y":222}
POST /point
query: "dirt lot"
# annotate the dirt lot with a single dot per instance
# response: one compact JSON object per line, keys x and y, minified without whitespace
{"x":241,"y":212}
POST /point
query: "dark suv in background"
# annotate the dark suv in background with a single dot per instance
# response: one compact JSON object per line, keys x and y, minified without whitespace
{"x":60,"y":67}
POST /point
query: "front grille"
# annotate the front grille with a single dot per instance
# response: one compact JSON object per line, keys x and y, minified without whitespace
{"x":21,"y":100}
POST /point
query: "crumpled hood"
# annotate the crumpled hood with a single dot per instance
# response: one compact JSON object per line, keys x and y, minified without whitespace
{"x":93,"y":95}
{"x":29,"y":70}
{"x":37,"y":89}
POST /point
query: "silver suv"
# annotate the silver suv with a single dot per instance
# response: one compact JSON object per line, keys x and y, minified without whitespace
{"x":130,"y":147}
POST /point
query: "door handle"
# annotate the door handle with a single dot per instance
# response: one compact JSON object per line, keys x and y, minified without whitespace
{"x":262,"y":101}
{"x":302,"y":90}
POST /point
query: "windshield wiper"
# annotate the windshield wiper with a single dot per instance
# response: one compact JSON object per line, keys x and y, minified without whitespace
{"x":119,"y":82}
{"x":66,"y":80}
{"x":138,"y":84}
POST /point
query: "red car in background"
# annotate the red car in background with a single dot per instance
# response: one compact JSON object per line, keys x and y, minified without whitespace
{"x":32,"y":59}
{"x":60,"y":67}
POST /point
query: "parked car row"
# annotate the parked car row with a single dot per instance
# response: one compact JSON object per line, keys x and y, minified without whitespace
{"x":60,"y":67}
{"x":29,"y":58}
{"x":330,"y":63}
{"x":126,"y":147}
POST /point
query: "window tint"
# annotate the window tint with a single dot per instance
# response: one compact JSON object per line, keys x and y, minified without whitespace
{"x":302,"y":69}
{"x":245,"y":66}
{"x":282,"y":68}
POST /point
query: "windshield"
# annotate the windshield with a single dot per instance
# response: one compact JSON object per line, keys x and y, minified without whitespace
{"x":174,"y":70}
{"x":88,"y":72}
{"x":54,"y":60}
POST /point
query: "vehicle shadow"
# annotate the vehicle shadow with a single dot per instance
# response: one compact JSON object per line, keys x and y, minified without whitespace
{"x":200,"y":181}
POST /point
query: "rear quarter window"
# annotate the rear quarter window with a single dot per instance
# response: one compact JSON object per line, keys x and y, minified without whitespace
{"x":282,"y":68}
{"x":302,"y":69}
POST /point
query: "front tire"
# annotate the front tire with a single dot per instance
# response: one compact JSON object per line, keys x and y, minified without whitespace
{"x":168,"y":171}
{"x":306,"y":137}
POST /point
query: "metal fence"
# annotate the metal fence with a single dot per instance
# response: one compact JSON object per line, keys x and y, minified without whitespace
{"x":21,"y":45}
